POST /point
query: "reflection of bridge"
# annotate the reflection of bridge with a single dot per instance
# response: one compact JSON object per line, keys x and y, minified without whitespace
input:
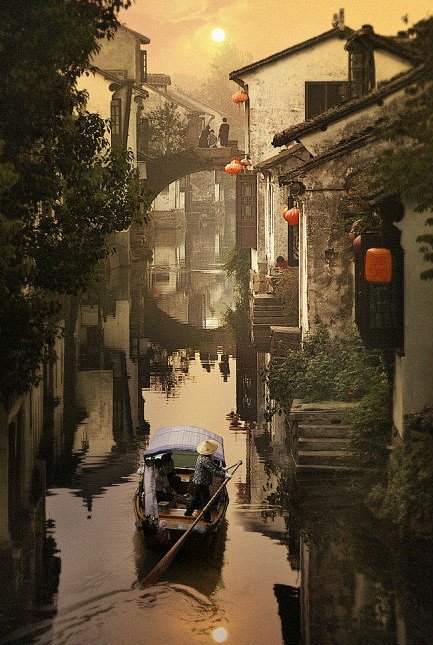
{"x":171,"y":334}
{"x":162,"y":170}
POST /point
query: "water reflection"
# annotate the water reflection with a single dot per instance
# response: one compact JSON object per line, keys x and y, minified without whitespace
{"x":299,"y":560}
{"x":200,"y":571}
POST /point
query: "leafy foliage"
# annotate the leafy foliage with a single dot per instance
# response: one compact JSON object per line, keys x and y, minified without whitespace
{"x":62,"y":190}
{"x":167,"y":130}
{"x":325,"y":368}
{"x":237,"y":320}
{"x":405,"y":167}
{"x":404,"y":498}
{"x":287,"y":290}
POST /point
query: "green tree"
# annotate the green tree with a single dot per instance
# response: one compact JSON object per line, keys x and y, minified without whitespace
{"x":167,"y":130}
{"x":62,"y":190}
{"x":405,"y":168}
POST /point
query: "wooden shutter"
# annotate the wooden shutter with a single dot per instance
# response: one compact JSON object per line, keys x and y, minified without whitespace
{"x":246,"y":211}
{"x":116,"y":122}
{"x":321,"y":96}
{"x":379,"y":307}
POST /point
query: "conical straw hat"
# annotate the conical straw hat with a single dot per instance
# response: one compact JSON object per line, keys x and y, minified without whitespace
{"x":207,"y":447}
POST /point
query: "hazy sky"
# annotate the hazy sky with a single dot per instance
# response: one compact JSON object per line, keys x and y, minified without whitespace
{"x":180,"y":30}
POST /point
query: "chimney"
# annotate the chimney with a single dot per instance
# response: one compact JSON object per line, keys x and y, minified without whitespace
{"x":341,"y":20}
{"x":335,"y":21}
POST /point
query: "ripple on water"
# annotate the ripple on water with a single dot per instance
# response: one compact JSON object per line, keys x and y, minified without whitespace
{"x":157,"y":615}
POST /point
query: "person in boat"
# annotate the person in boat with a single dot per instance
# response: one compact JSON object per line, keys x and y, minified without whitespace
{"x":164,"y":490}
{"x":205,"y":469}
{"x":150,"y":501}
{"x":167,"y":466}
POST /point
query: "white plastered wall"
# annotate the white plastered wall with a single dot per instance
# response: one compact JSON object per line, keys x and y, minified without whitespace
{"x":413,"y":387}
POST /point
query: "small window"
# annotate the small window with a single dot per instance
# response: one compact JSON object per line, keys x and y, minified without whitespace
{"x":321,"y":96}
{"x":116,"y":122}
{"x":379,"y":307}
{"x":143,"y":56}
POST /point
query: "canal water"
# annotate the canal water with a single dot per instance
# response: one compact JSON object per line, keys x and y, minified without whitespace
{"x":297,"y":560}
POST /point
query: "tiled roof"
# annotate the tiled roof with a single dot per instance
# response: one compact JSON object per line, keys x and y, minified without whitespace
{"x":144,"y":40}
{"x":340,"y":149}
{"x":327,"y":35}
{"x":158,"y":79}
{"x":294,"y":151}
{"x":321,"y":121}
{"x":395,"y":45}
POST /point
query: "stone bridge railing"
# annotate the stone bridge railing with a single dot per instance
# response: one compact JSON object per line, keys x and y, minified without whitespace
{"x":163,"y":170}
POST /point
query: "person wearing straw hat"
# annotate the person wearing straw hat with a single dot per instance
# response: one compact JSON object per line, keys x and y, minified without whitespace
{"x":205,"y":469}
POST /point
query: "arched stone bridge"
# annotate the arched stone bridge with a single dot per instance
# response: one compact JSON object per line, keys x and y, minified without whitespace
{"x":163,"y":170}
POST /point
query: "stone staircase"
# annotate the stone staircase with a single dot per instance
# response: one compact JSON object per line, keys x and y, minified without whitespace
{"x":267,"y":312}
{"x":319,"y":435}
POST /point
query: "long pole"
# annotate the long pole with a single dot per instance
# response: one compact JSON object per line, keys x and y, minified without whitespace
{"x":165,"y":562}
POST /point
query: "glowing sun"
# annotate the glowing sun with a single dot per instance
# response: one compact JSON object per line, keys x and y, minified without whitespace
{"x":218,"y":35}
{"x":219,"y":635}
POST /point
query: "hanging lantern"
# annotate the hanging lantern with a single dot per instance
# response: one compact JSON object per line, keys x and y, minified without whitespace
{"x":240,"y":97}
{"x":293,"y":216}
{"x":245,"y":162}
{"x":233,"y":167}
{"x":378,"y":265}
{"x":284,"y":212}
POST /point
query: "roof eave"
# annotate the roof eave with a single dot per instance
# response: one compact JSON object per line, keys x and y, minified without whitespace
{"x":237,"y":74}
{"x":349,"y":107}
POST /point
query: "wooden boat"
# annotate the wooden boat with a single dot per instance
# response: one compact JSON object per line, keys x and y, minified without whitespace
{"x":171,"y":523}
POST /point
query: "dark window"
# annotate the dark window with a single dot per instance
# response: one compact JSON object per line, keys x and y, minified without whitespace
{"x":143,"y":55}
{"x":362,"y":77}
{"x":321,"y":96}
{"x":379,"y":306}
{"x":246,"y":211}
{"x":116,"y":122}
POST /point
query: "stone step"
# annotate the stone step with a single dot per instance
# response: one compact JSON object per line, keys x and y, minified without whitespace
{"x":266,"y":312}
{"x":319,"y":418}
{"x":324,"y":431}
{"x":265,"y":297}
{"x":324,"y":457}
{"x":323,"y":444}
{"x":308,"y":471}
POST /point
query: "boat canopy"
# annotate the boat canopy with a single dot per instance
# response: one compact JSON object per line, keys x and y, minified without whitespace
{"x":182,"y":438}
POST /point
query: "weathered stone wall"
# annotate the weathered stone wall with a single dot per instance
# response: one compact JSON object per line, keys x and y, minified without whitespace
{"x":329,"y":279}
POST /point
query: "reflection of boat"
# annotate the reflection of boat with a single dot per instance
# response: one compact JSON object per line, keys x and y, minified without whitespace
{"x":204,"y":576}
{"x":171,"y":524}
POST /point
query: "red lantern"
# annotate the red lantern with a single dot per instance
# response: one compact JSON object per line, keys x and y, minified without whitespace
{"x":240,"y":97}
{"x":233,"y":167}
{"x":378,"y":265}
{"x":284,"y":211}
{"x":293,"y":216}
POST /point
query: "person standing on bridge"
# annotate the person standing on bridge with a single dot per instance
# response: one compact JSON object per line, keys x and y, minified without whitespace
{"x":204,"y":137}
{"x":223,"y":133}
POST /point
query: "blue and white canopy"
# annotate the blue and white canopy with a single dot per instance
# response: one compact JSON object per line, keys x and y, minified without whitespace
{"x":182,"y":438}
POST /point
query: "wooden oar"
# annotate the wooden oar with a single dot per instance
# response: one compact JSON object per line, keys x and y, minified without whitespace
{"x":165,"y":562}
